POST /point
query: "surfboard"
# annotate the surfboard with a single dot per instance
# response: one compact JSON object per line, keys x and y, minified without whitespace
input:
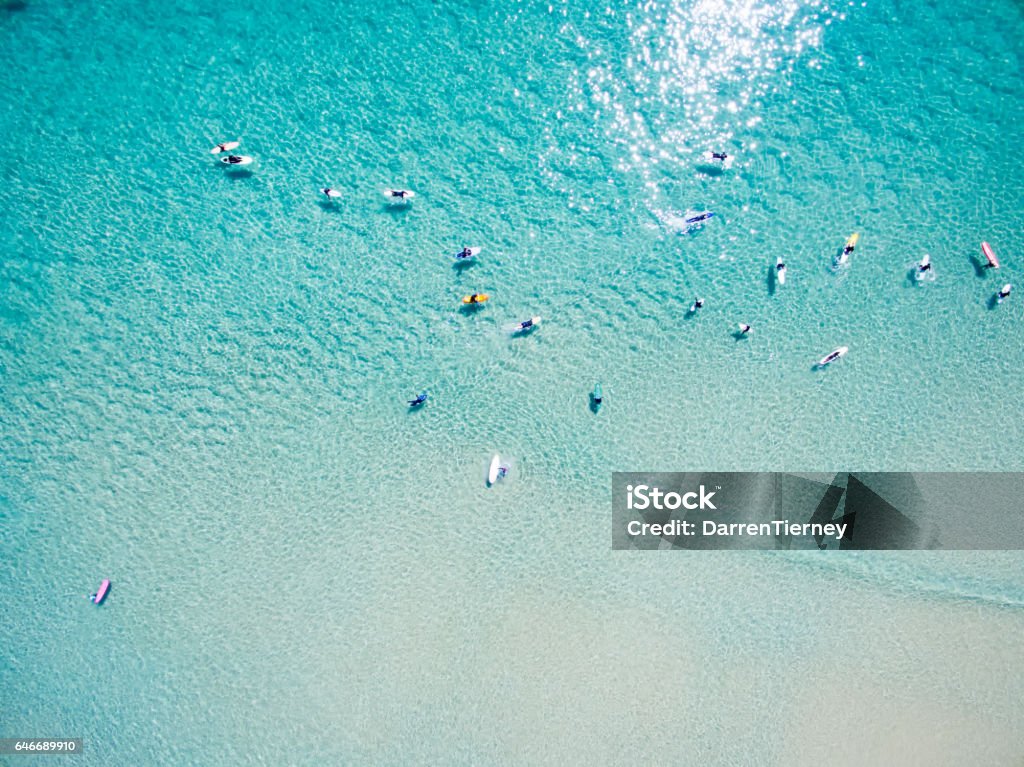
{"x":780,"y":270}
{"x":495,"y":470}
{"x":473,"y":253}
{"x":242,"y":160}
{"x":102,"y":592}
{"x":833,"y":355}
{"x":990,"y":255}
{"x":851,"y":243}
{"x":480,"y":298}
{"x":227,"y":146}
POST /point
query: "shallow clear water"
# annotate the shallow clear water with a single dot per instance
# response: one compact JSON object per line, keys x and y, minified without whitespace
{"x":204,"y":377}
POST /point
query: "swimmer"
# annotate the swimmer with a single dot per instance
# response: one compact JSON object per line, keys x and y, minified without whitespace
{"x":331,"y":194}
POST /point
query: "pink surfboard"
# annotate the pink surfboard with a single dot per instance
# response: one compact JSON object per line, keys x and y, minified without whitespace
{"x":990,"y":255}
{"x":102,"y":592}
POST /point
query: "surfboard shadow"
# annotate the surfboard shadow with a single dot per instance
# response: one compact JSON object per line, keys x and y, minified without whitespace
{"x":772,"y":280}
{"x":330,"y":207}
{"x":239,"y":174}
{"x":395,"y":209}
{"x":463,"y":264}
{"x":13,"y":6}
{"x":709,"y":170}
{"x":739,"y":335}
{"x":993,"y":301}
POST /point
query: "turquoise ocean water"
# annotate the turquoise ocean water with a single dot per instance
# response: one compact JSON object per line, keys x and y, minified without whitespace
{"x":203,"y":377}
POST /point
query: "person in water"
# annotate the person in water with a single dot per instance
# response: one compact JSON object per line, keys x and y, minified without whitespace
{"x":400,"y":193}
{"x":235,"y":159}
{"x":420,"y":399}
{"x":700,"y":217}
{"x":719,"y":156}
{"x":526,"y":324}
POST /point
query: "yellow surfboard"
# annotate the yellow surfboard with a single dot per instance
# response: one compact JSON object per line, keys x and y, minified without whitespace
{"x":476,"y":298}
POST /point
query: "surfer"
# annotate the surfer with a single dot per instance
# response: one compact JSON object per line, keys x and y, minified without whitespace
{"x":697,"y":304}
{"x":225,"y":146}
{"x":236,"y":159}
{"x":1005,"y":292}
{"x":745,"y":328}
{"x":465,"y":253}
{"x":700,"y":217}
{"x":720,"y":156}
{"x":331,"y":194}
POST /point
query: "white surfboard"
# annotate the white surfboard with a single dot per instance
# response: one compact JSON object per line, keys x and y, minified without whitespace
{"x":709,"y":157}
{"x":227,"y":146}
{"x":780,"y":270}
{"x":473,"y":253}
{"x":534,"y":322}
{"x":236,"y":161}
{"x":495,"y":470}
{"x":833,"y":355}
{"x":331,"y":194}
{"x":1004,"y":293}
